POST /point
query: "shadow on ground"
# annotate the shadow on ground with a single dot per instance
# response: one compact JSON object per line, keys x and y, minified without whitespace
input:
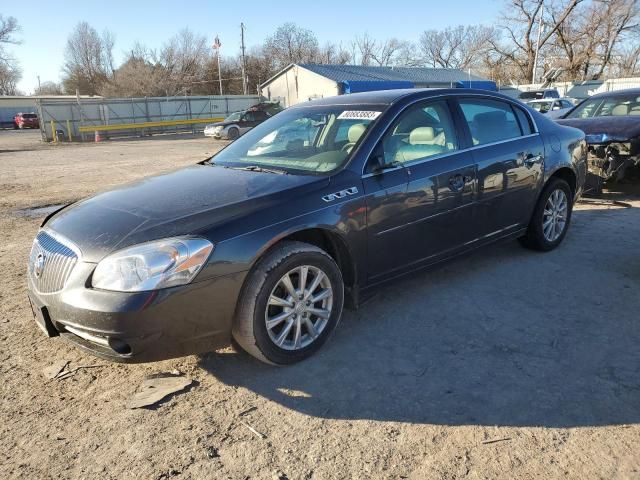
{"x":502,"y":337}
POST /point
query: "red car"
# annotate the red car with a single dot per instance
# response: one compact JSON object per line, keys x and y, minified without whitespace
{"x":26,"y":120}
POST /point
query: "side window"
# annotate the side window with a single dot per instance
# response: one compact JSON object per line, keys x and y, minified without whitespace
{"x":421,"y":131}
{"x":249,"y":117}
{"x":524,"y":120}
{"x":490,"y":120}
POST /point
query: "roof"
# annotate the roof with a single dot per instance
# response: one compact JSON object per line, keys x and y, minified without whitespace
{"x":416,"y":75}
{"x":614,"y":93}
{"x":387,"y":97}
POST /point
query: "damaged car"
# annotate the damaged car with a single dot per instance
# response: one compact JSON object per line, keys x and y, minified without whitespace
{"x":611,"y":123}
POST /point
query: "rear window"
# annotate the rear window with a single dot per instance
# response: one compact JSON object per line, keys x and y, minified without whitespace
{"x":490,"y":120}
{"x":29,"y":115}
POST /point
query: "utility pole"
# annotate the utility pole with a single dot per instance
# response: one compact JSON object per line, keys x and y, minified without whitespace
{"x":38,"y":83}
{"x":216,"y":47}
{"x":535,"y":60}
{"x":244,"y":66}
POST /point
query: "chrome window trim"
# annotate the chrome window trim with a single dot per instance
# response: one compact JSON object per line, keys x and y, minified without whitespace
{"x":446,"y":96}
{"x":448,"y":154}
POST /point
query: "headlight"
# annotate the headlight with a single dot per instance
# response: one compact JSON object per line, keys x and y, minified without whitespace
{"x":153,"y":265}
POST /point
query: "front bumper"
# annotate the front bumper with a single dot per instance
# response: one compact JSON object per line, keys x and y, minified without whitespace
{"x":142,"y":326}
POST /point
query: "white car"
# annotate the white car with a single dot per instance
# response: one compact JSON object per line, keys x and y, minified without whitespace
{"x":552,"y":107}
{"x":235,"y":124}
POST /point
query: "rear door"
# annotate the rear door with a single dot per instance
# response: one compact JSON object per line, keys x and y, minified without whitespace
{"x":422,"y":209}
{"x":509,"y":154}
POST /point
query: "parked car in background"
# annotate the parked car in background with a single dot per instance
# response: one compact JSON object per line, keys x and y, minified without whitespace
{"x":26,"y":120}
{"x":266,"y":245}
{"x":236,"y":124}
{"x":271,"y":107}
{"x":611,"y":122}
{"x":553,"y":108}
{"x":539,"y":94}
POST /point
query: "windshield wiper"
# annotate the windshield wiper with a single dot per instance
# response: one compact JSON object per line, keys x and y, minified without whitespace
{"x":258,"y":168}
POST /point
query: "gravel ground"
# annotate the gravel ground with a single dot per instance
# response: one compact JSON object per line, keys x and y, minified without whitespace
{"x":504,"y":364}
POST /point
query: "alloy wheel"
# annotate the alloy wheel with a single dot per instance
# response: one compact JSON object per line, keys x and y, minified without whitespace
{"x":554,"y":218}
{"x":299,"y":307}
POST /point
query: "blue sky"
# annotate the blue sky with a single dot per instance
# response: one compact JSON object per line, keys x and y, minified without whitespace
{"x":46,"y":24}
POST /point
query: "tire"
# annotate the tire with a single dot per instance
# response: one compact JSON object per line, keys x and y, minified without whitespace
{"x":546,"y":231}
{"x":233,"y":133}
{"x":264,"y":284}
{"x":15,"y":126}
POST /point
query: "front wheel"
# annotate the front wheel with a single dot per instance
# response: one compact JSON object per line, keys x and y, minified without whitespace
{"x":233,"y":133}
{"x":291,"y":303}
{"x":551,"y":217}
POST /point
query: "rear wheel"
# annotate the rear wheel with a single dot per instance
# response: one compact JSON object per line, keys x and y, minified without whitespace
{"x":291,"y":303}
{"x":551,"y":217}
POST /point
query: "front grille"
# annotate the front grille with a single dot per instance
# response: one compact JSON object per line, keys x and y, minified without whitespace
{"x":50,"y":263}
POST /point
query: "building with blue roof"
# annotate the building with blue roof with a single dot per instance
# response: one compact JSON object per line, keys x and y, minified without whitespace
{"x":306,"y":81}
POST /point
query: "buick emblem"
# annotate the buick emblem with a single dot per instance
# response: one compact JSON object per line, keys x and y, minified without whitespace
{"x":38,"y":265}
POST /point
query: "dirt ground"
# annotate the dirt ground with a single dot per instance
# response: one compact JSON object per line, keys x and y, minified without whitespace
{"x":504,"y":364}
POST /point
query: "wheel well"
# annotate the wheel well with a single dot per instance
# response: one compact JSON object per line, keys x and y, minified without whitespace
{"x":335,"y":247}
{"x":568,"y":176}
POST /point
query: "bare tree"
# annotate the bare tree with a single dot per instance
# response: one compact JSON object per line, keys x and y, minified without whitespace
{"x":458,"y":47}
{"x":334,"y":54}
{"x":586,"y":44}
{"x":49,"y":88}
{"x":10,"y":72}
{"x":519,"y":23}
{"x":10,"y":75}
{"x":8,"y":29}
{"x":88,"y":63}
{"x":363,"y":49}
{"x":628,"y":60}
{"x":291,"y":44}
{"x":184,"y":59}
{"x":369,"y":51}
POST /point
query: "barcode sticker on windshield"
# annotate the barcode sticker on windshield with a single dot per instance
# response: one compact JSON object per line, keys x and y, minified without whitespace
{"x":358,"y":115}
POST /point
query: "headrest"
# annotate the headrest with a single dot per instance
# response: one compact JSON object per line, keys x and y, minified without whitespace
{"x":620,"y":110}
{"x":422,"y":135}
{"x":495,"y":118}
{"x":355,"y":132}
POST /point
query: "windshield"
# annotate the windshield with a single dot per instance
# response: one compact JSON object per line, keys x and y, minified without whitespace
{"x":234,"y":117}
{"x":308,"y":139}
{"x":29,"y":115}
{"x":615,"y":106}
{"x":542,"y":107}
{"x":531,"y":95}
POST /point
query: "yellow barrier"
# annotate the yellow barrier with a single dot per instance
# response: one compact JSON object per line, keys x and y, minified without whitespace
{"x":163,"y":123}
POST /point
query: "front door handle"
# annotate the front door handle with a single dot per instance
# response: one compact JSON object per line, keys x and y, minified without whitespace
{"x":457,"y":182}
{"x":531,"y":160}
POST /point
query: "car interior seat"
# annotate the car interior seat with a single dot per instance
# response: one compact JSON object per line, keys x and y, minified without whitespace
{"x":422,"y":143}
{"x":353,"y":135}
{"x":621,"y":110}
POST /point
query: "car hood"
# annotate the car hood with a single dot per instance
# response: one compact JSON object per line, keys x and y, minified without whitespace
{"x":183,"y":202}
{"x":616,"y":128}
{"x":221,"y":124}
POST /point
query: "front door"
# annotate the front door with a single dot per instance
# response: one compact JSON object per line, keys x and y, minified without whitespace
{"x":420,"y":210}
